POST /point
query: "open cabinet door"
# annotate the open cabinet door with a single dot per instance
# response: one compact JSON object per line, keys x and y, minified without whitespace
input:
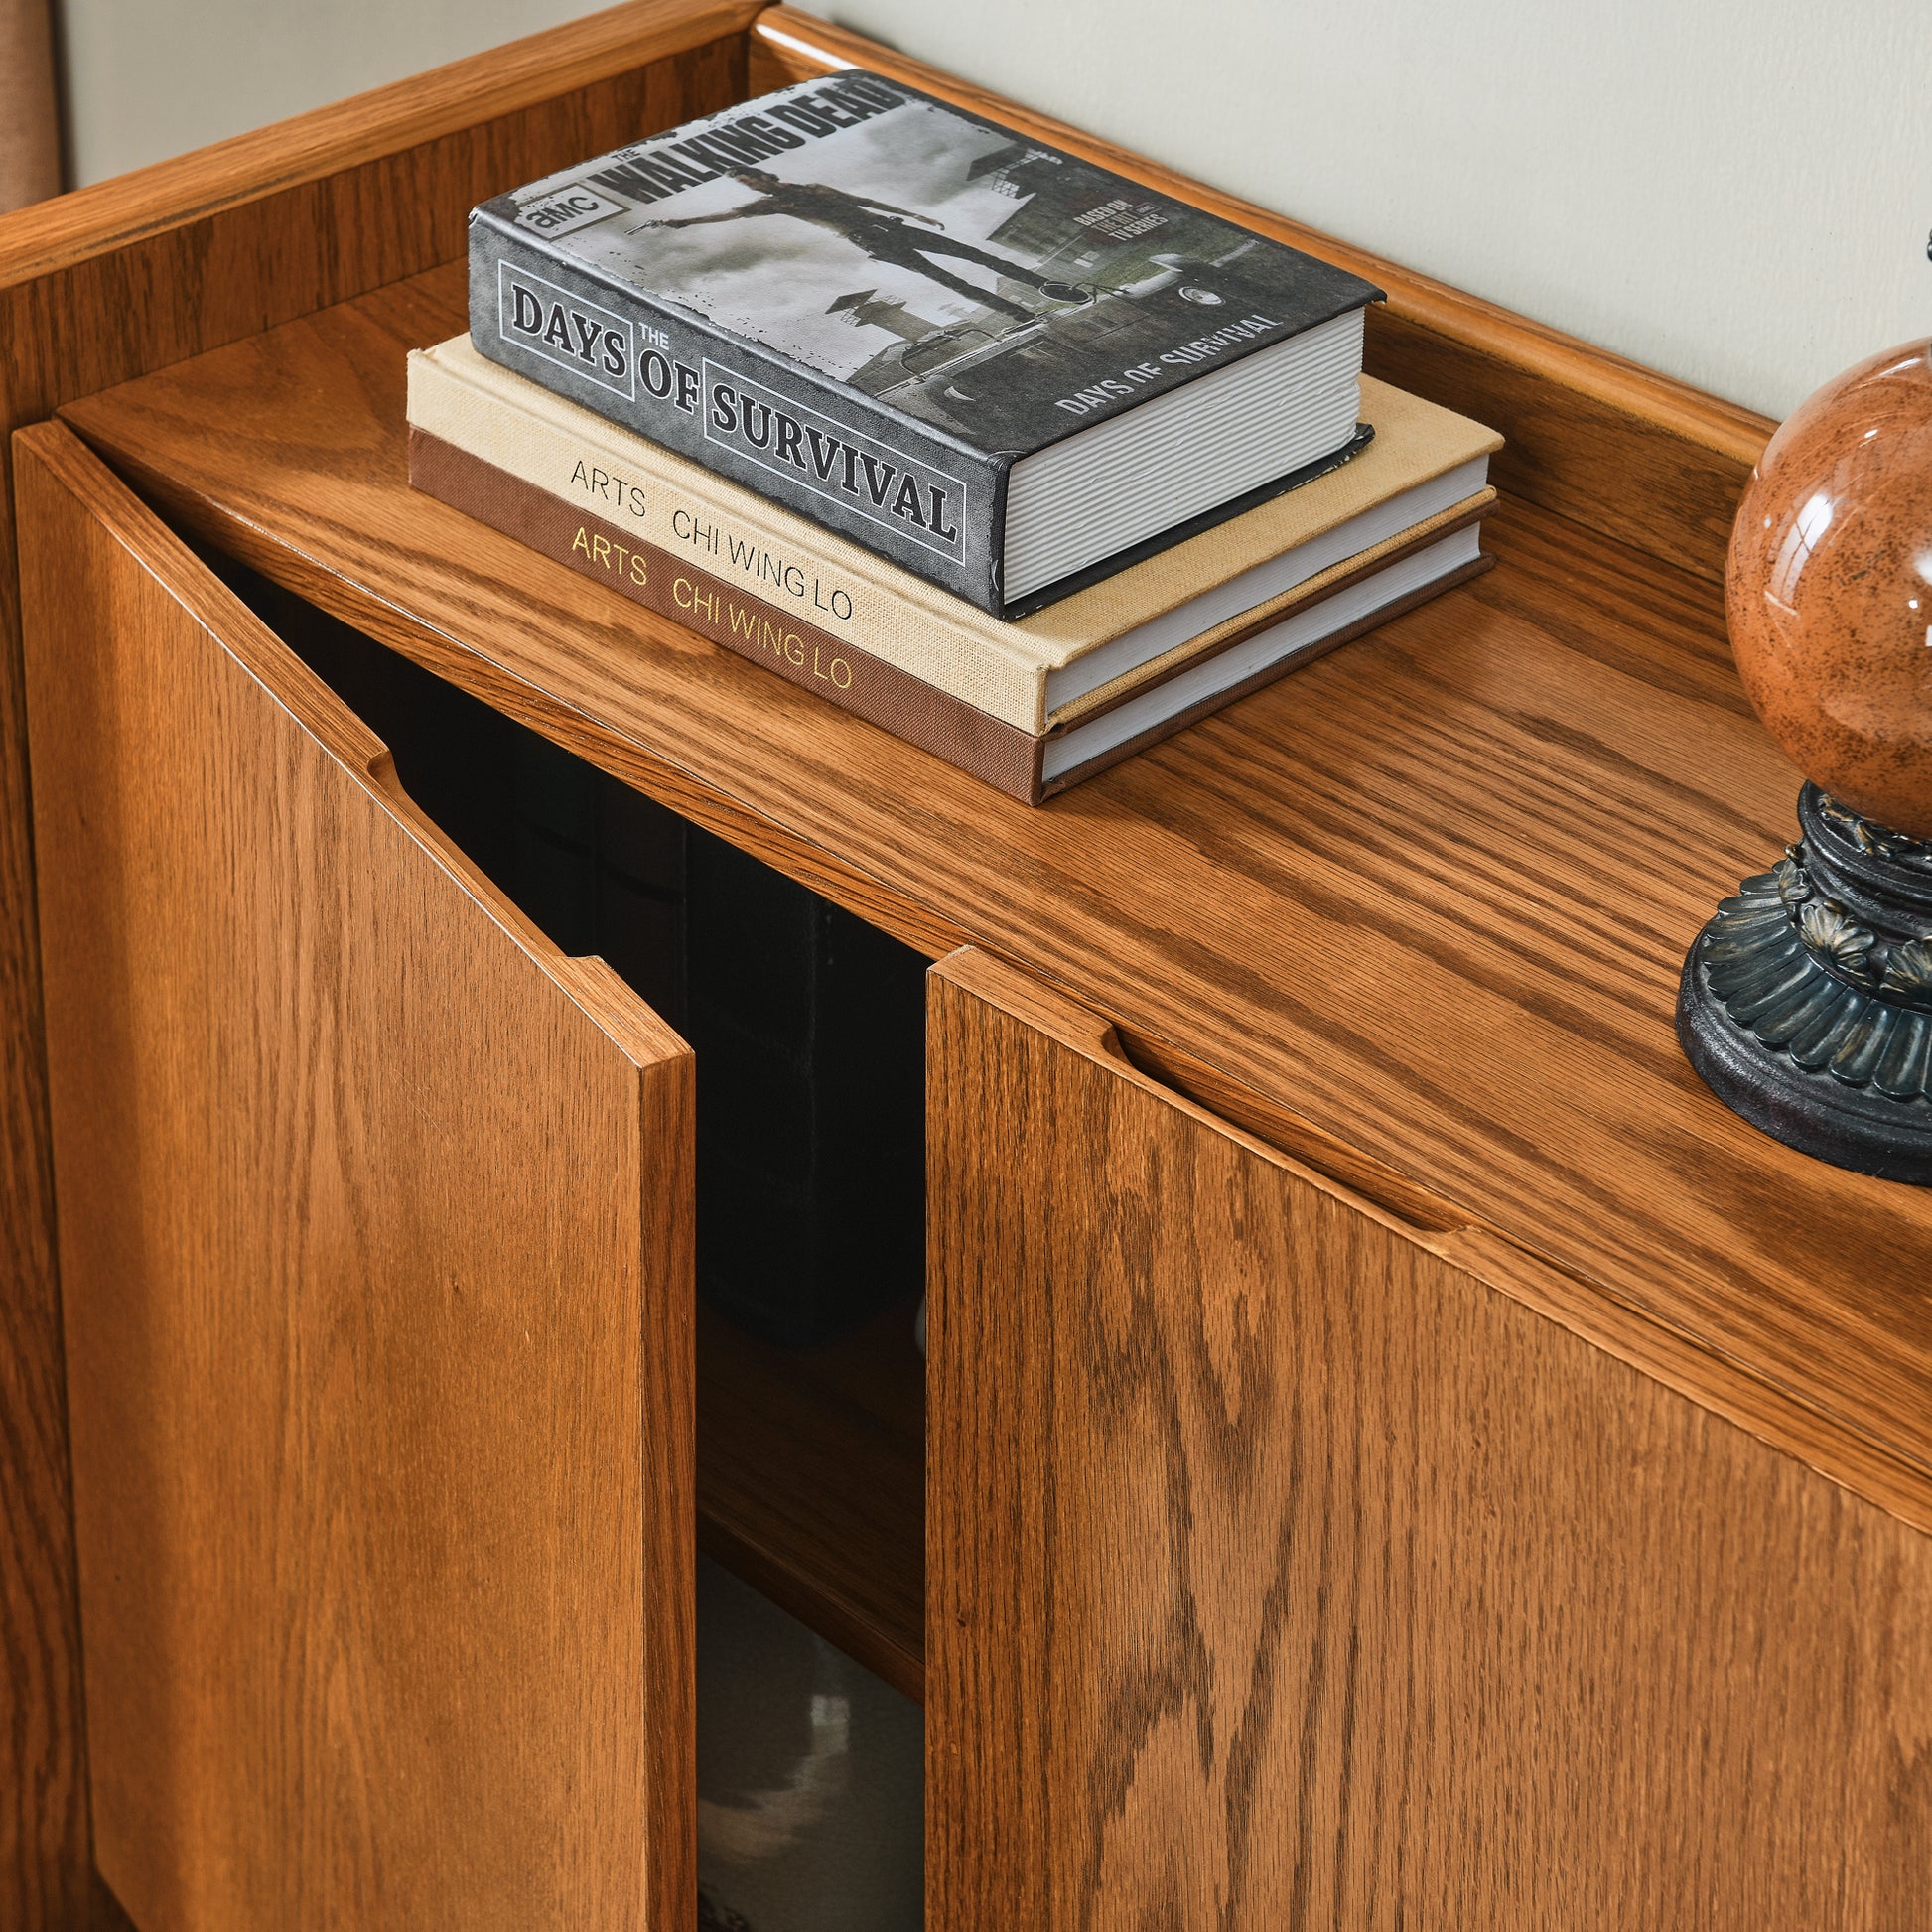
{"x":1282,"y":1570}
{"x":375,"y":1247}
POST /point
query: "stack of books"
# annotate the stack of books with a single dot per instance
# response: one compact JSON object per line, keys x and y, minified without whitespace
{"x":1001,"y":450}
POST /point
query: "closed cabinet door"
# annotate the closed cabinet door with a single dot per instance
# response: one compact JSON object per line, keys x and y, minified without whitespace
{"x":375,"y":1251}
{"x":1286,"y":1568}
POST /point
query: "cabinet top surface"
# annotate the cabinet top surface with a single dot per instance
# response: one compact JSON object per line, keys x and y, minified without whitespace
{"x":1431,"y":893}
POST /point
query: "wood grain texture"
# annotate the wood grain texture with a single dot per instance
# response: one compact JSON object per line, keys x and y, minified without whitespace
{"x":1428,"y":897}
{"x":811,"y":1482}
{"x":101,"y":285}
{"x":46,"y":1884}
{"x":1283,"y":1573}
{"x":1594,"y":437}
{"x":1667,"y":1355}
{"x":376,"y":1249}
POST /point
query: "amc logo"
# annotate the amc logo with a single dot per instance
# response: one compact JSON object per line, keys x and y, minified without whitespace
{"x":571,"y":206}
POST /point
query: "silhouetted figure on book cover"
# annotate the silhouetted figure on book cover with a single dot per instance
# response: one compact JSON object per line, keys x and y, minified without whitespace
{"x":883,"y":232}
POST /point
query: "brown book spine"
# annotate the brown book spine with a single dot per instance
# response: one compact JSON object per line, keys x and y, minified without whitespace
{"x":833,"y":668}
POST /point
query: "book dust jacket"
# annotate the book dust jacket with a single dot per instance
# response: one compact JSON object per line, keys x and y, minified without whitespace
{"x":867,"y":304}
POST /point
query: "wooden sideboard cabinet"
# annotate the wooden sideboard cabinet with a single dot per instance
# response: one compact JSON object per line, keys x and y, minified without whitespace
{"x":1394,"y":1450}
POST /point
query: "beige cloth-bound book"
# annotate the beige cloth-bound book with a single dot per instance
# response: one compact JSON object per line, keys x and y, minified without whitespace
{"x":1029,"y":706}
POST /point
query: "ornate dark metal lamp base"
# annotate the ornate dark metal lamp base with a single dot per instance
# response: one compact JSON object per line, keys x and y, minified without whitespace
{"x":1806,"y":1003}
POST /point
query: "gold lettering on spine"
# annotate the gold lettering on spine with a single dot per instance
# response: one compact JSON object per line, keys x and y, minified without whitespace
{"x":687,"y":597}
{"x":834,"y":671}
{"x":618,"y":558}
{"x":724,"y":612}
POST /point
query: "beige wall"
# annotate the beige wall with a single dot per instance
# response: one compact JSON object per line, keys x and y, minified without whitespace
{"x":149,"y":78}
{"x":1737,"y":191}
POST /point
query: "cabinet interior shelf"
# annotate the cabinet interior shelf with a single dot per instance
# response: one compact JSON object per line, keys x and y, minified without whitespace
{"x":811,"y":1482}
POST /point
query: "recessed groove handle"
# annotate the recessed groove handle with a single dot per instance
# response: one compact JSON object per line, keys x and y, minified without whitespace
{"x":1021,"y":993}
{"x":1290,"y":1133}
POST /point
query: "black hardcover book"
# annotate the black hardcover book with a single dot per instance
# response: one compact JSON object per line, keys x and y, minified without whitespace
{"x":1003,"y":367}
